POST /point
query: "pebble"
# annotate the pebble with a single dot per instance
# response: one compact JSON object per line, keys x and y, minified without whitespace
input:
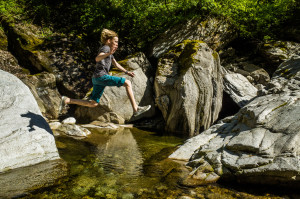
{"x":70,"y":120}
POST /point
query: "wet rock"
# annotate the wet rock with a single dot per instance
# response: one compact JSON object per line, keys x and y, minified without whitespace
{"x":84,"y":184}
{"x":26,"y":138}
{"x":260,"y":144}
{"x":239,"y":89}
{"x":188,"y":87}
{"x":22,"y":181}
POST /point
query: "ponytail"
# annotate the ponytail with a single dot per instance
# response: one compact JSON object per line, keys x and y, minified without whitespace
{"x":107,"y":34}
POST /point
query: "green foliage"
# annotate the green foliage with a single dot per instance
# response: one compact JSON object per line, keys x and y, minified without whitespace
{"x":139,"y":22}
{"x":256,"y":18}
{"x":10,"y":8}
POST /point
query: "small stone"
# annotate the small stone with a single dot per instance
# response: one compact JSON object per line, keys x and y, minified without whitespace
{"x":54,"y":125}
{"x":184,"y":197}
{"x":70,"y":120}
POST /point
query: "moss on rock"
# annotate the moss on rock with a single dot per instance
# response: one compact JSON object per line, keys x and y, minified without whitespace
{"x":3,"y":39}
{"x":183,"y":53}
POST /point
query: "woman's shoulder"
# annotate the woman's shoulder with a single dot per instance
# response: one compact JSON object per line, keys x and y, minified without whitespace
{"x":104,"y":48}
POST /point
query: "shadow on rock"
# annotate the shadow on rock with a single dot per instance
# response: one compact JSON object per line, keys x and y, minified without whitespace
{"x":38,"y":121}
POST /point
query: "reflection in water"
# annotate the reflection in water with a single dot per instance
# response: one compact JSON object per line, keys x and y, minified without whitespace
{"x":121,"y":154}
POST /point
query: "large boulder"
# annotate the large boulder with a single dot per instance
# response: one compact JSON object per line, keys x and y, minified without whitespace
{"x":188,"y":87}
{"x":26,"y":138}
{"x":114,"y":103}
{"x":217,"y":33}
{"x":260,"y":144}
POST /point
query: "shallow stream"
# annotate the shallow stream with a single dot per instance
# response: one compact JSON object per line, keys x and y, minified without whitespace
{"x":126,"y":163}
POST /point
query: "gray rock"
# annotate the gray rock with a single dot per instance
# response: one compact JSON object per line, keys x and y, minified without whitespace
{"x":188,"y":87}
{"x":239,"y":89}
{"x":26,"y":138}
{"x":260,"y":144}
{"x":114,"y":99}
{"x":43,"y":88}
{"x":285,"y":79}
{"x":280,"y":51}
{"x":216,"y":33}
{"x":73,"y":130}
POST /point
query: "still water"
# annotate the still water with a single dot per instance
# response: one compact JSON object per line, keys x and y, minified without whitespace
{"x":126,"y":163}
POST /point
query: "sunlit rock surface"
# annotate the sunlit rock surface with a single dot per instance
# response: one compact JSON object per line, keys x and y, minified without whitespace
{"x":239,"y":89}
{"x":189,"y":87}
{"x":25,"y":137}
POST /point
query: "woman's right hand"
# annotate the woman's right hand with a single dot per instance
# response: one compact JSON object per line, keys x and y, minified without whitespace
{"x":113,"y":49}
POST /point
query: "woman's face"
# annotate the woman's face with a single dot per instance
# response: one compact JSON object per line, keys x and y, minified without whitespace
{"x":113,"y":43}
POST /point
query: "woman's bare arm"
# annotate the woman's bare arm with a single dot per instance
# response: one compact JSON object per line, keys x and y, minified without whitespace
{"x":116,"y":64}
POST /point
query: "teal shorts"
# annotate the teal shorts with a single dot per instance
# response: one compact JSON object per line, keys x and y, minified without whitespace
{"x":99,"y":83}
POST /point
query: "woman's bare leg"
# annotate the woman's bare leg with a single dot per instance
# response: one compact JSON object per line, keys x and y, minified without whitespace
{"x":88,"y":103}
{"x":130,"y":95}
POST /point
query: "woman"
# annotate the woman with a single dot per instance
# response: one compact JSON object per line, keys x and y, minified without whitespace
{"x":101,"y":77}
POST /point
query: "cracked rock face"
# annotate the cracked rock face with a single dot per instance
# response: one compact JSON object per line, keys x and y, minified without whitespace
{"x":188,"y":87}
{"x":260,"y":144}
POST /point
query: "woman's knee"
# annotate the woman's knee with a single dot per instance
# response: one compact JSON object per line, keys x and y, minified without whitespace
{"x":93,"y":104}
{"x":127,"y":83}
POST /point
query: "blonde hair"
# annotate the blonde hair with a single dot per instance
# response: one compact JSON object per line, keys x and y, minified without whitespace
{"x":107,"y":34}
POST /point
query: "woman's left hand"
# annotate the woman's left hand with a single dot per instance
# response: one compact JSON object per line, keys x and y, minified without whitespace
{"x":131,"y":74}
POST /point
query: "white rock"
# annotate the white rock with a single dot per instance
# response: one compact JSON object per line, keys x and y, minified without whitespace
{"x":25,"y":137}
{"x":54,"y":125}
{"x":74,"y":130}
{"x":239,"y":88}
{"x":70,"y":120}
